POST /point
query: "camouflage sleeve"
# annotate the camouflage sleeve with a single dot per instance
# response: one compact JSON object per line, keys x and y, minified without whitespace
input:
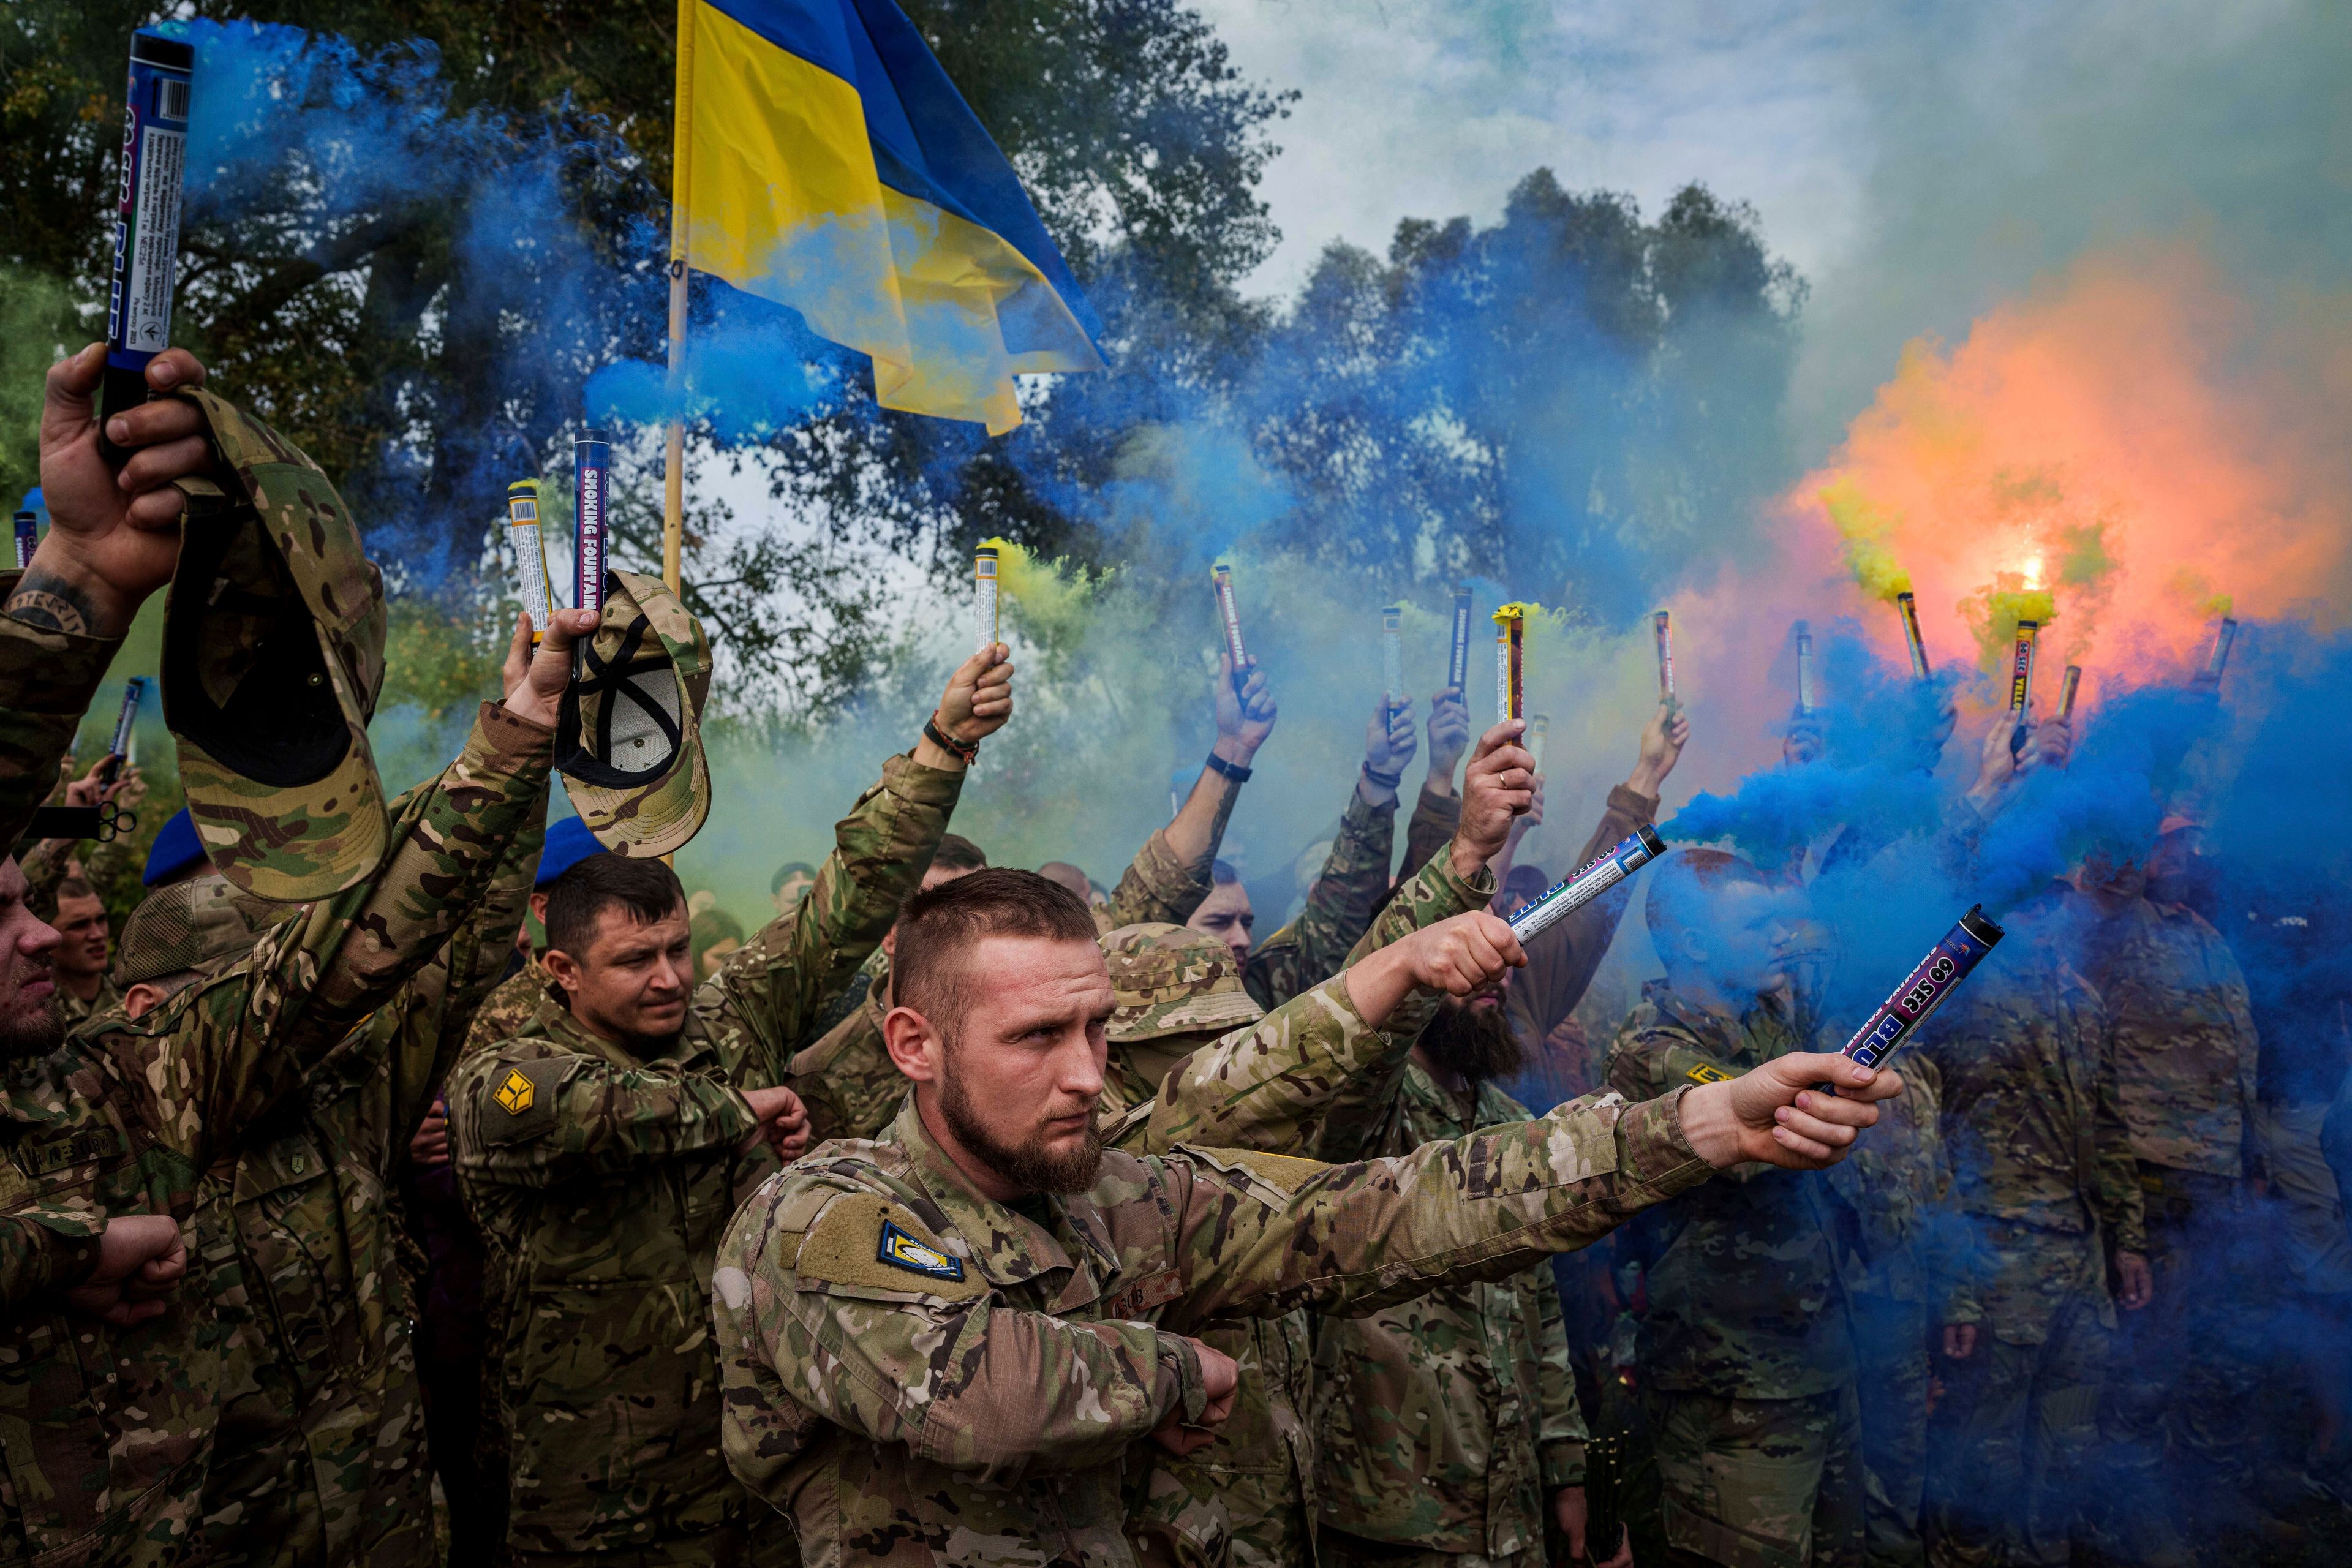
{"x":47,"y":681}
{"x":1562,"y":961}
{"x":758,"y":1007}
{"x":1560,"y":1433}
{"x":43,"y":864}
{"x":846,"y":1081}
{"x":1262,"y":1234}
{"x":530,"y":1114}
{"x":45,"y":1248}
{"x":1434,"y":821}
{"x":242,"y":1043}
{"x":1355,"y":877}
{"x":1156,"y":886}
{"x":1273,"y":1084}
{"x":813,"y":1329}
{"x":2114,"y":1193}
{"x":504,"y":1012}
{"x":1431,"y":894}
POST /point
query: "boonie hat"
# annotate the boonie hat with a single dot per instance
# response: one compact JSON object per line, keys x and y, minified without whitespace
{"x":273,"y":655}
{"x":627,"y":740}
{"x":1173,"y":980}
{"x":184,"y":926}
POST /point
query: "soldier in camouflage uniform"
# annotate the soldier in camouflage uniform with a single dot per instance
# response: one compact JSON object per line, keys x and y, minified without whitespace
{"x":1746,"y":1350}
{"x":126,"y":1116}
{"x":846,"y":1079}
{"x":947,"y":1345}
{"x":602,"y":1170}
{"x":2186,"y":1061}
{"x":1191,"y":1060}
{"x":2042,"y":1168}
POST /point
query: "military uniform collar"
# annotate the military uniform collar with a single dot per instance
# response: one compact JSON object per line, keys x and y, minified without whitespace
{"x":1006,"y":1245}
{"x":554,"y":1022}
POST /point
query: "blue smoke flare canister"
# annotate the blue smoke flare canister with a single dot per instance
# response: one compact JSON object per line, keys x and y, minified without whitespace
{"x":591,"y":494}
{"x":1565,"y":898}
{"x":1457,"y":666}
{"x":1925,"y":989}
{"x":146,"y":222}
{"x":28,"y":531}
{"x":119,"y":752}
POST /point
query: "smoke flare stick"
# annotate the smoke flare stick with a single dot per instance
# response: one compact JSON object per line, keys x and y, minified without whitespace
{"x":118,"y":752}
{"x":1925,"y":989}
{"x":2067,"y":688}
{"x":986,"y":612}
{"x":1392,"y":654}
{"x":1804,"y":670}
{"x":2217,"y":659}
{"x":146,"y":223}
{"x":1564,"y":898}
{"x":1457,"y":666}
{"x":592,"y":475}
{"x":28,"y":526}
{"x":2021,"y":682}
{"x":1221,"y":576}
{"x":1907,"y":607}
{"x":530,"y":556}
{"x":1662,"y":624}
{"x":1511,"y":661}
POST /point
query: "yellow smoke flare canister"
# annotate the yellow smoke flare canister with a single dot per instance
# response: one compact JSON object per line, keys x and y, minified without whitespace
{"x":985,"y":623}
{"x":1511,"y":661}
{"x":530,"y":556}
{"x":2020,"y":681}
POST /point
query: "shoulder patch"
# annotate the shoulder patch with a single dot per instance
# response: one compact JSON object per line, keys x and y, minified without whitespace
{"x":1283,"y":1172}
{"x":863,"y":1241}
{"x":518,"y":1098}
{"x":1706,"y":1073}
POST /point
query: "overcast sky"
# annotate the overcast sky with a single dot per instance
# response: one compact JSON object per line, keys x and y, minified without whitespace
{"x":1918,"y":163}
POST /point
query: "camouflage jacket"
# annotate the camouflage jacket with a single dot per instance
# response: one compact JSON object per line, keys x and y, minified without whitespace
{"x":1895,"y":1185}
{"x":2041,"y":1160}
{"x":47,"y":681}
{"x":1306,"y":1078}
{"x":108,"y":1431}
{"x":2185,"y":1056}
{"x":508,"y":1006}
{"x":1744,"y":1295}
{"x":1310,"y":949}
{"x":915,"y":1372}
{"x":601,"y":1180}
{"x":1562,"y":961}
{"x":72,"y":1011}
{"x":1435,"y":820}
{"x":847,"y":1080}
{"x":320,"y":1450}
{"x":1448,"y":1423}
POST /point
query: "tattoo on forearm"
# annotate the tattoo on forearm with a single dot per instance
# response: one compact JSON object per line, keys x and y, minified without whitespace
{"x":45,"y":600}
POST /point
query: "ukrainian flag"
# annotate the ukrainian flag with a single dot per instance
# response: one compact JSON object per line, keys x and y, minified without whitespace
{"x":826,"y":162}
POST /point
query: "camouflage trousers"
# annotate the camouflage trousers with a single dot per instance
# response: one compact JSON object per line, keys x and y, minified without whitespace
{"x":2011,"y":1443}
{"x":2186,"y":1366}
{"x":1337,"y":1549}
{"x":1890,"y":1342}
{"x":1760,"y":1483}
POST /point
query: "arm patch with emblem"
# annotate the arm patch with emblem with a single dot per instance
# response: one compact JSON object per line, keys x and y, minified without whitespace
{"x":518,"y":1099}
{"x":866,"y":1242}
{"x":1285,"y":1173}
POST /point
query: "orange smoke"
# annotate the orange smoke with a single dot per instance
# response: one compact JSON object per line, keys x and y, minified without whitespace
{"x":2132,"y":439}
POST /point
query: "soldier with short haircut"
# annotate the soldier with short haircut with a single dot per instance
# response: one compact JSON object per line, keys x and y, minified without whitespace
{"x":951,"y":1341}
{"x":602,"y":1149}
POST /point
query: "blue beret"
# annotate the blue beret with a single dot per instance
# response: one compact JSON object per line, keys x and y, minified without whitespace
{"x":569,"y":842}
{"x":177,"y":847}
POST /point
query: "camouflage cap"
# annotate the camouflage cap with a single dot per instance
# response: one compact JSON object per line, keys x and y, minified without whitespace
{"x":273,"y":655}
{"x":628,"y":738}
{"x":1173,"y":980}
{"x":184,"y":926}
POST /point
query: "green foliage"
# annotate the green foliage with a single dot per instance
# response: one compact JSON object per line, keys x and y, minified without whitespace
{"x":33,"y":314}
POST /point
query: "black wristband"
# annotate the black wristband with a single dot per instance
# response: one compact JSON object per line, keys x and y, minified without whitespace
{"x":946,"y":742}
{"x":1232,"y":770}
{"x":1385,"y":781}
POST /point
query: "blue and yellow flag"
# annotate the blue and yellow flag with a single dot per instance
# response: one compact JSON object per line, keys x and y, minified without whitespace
{"x":826,"y":162}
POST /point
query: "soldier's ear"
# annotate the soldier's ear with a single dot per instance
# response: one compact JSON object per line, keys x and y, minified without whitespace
{"x":915,"y":1046}
{"x":561,"y":968}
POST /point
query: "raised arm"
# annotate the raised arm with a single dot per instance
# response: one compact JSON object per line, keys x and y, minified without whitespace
{"x":1168,"y":877}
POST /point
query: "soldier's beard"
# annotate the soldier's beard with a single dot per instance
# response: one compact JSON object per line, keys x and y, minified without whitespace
{"x":1475,"y":1042}
{"x":1031,"y":1166}
{"x":30,"y":1028}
